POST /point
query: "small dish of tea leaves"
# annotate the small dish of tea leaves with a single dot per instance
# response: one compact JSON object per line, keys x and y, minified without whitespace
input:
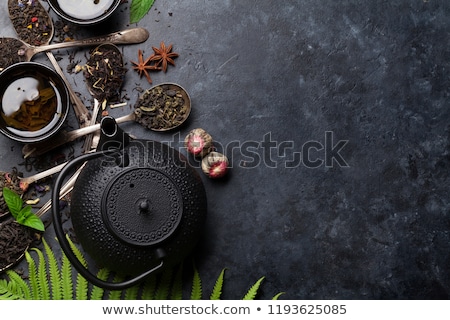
{"x":163,"y":107}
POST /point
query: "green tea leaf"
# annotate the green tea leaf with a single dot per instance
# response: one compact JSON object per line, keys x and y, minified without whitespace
{"x":139,"y":8}
{"x":13,"y":201}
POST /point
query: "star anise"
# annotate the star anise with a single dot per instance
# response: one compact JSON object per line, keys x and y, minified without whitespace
{"x":164,"y":55}
{"x":143,"y":67}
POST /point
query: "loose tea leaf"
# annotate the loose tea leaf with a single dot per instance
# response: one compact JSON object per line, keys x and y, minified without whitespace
{"x":10,"y":48}
{"x":104,"y":73}
{"x":14,"y":239}
{"x":31,"y":21}
{"x":162,"y":108}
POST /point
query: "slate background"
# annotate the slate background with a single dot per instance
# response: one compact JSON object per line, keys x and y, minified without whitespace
{"x":270,"y":79}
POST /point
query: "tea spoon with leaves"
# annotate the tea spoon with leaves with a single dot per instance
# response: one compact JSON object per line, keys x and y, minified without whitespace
{"x":104,"y":73}
{"x":22,"y":51}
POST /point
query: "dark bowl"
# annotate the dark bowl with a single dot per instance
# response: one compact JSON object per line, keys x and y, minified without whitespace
{"x":34,"y":102}
{"x":80,"y":13}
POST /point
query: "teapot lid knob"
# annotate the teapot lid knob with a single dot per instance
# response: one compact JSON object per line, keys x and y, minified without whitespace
{"x":142,"y":206}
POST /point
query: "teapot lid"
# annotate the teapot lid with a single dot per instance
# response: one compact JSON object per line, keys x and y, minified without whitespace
{"x":142,"y":206}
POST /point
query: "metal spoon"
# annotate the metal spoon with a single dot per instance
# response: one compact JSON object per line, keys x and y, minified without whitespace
{"x":46,"y":35}
{"x":25,"y":52}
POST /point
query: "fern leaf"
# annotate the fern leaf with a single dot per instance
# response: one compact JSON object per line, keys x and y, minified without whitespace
{"x":148,"y":288}
{"x":7,"y":291}
{"x":24,"y":288}
{"x":177,"y":286}
{"x":81,"y":289}
{"x":131,"y":293}
{"x":42,"y":280}
{"x":196,"y":292}
{"x":77,"y":252}
{"x":33,"y":277}
{"x":97,"y":292}
{"x":251,"y":294}
{"x":116,"y":294}
{"x":66,"y":279}
{"x":163,"y":289}
{"x":275,"y":297}
{"x":217,"y":290}
{"x":55,"y":276}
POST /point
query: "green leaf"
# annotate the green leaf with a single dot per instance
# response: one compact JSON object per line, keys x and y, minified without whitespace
{"x":33,"y":277}
{"x":13,"y":201}
{"x":8,"y":292}
{"x":53,"y":269}
{"x":177,"y":286}
{"x":66,"y":279}
{"x":77,"y":252}
{"x":24,"y":290}
{"x":116,"y":294}
{"x":97,"y":292}
{"x":149,"y":288}
{"x":278,"y":295}
{"x":81,"y":290}
{"x":42,"y":280}
{"x":139,"y":8}
{"x":196,"y":292}
{"x":163,"y":289}
{"x":24,"y":215}
{"x":251,"y":294}
{"x":131,"y":293}
{"x":217,"y":290}
{"x":33,"y":221}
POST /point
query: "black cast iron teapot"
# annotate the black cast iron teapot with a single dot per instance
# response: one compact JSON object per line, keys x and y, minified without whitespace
{"x":136,"y":207}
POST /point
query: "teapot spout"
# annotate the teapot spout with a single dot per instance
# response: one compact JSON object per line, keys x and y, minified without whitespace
{"x":111,"y":135}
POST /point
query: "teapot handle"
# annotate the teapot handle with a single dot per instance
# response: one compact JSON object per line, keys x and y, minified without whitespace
{"x":64,"y":242}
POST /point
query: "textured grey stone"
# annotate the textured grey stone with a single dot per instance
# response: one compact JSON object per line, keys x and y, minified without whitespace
{"x":373,"y":73}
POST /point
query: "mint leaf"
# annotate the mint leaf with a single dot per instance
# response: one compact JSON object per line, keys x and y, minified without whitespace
{"x":13,"y":201}
{"x":139,"y":8}
{"x":29,"y":219}
{"x":34,"y":222}
{"x":24,"y":215}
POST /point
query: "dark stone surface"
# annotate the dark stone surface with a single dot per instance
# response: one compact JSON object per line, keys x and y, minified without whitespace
{"x":357,"y":90}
